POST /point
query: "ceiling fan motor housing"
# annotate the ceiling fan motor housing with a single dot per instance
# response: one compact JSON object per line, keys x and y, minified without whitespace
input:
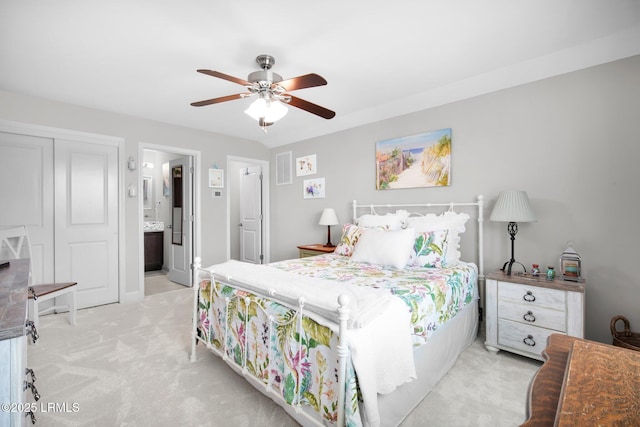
{"x":265,"y":77}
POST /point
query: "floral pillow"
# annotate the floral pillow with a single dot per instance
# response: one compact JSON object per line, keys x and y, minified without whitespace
{"x":350,"y":235}
{"x":452,"y":221}
{"x":430,"y":249}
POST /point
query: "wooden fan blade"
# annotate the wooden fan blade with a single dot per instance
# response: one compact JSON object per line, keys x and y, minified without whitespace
{"x":302,"y":82}
{"x":312,"y":108}
{"x":218,"y":100}
{"x":225,"y":77}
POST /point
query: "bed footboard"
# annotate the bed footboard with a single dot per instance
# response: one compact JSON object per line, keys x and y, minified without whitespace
{"x":299,"y":361}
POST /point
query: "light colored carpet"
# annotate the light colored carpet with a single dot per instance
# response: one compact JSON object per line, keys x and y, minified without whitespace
{"x":156,"y":282}
{"x":128,"y":365}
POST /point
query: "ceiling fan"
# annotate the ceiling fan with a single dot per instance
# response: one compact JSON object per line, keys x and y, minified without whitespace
{"x":272,"y":93}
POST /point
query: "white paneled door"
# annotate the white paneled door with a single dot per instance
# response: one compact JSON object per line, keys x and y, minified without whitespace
{"x":251,"y":214}
{"x":86,"y":220}
{"x":66,"y":193}
{"x":26,"y":195}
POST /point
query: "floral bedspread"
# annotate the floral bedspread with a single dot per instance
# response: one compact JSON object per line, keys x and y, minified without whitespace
{"x":292,"y":355}
{"x":295,"y":357}
{"x":434,"y":295}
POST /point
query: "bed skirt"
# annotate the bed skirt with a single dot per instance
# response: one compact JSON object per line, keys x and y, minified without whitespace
{"x":433,"y":360}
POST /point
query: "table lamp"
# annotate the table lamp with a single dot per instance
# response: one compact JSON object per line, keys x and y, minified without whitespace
{"x":328,"y":218}
{"x":512,"y":206}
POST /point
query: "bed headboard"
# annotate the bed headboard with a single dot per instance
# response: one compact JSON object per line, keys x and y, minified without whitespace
{"x":360,"y":209}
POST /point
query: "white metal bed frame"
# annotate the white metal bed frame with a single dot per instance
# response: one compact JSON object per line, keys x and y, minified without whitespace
{"x":479,"y":203}
{"x":298,"y":306}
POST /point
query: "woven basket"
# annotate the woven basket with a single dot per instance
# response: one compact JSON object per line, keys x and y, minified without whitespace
{"x":625,"y":338}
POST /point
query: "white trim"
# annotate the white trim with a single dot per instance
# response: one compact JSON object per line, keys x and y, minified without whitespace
{"x":265,"y":200}
{"x":197,"y":246}
{"x":58,"y":133}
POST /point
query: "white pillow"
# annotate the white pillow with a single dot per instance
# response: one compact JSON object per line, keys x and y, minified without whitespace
{"x":388,"y":221}
{"x":452,"y":221}
{"x":386,"y":248}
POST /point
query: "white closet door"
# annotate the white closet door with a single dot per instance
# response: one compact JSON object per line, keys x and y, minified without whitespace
{"x":26,"y":195}
{"x":86,"y":220}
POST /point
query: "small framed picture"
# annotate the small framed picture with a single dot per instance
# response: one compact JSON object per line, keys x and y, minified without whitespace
{"x":216,"y":178}
{"x":306,"y":165}
{"x":313,"y":188}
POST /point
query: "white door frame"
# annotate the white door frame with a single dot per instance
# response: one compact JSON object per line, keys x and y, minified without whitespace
{"x":196,"y":242}
{"x":266,"y":242}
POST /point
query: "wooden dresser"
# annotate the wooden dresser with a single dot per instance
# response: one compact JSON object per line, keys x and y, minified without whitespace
{"x":585,"y":383}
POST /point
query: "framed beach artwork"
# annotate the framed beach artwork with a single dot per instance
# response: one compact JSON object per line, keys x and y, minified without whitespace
{"x":313,"y":188}
{"x":422,"y":160}
{"x":306,"y":165}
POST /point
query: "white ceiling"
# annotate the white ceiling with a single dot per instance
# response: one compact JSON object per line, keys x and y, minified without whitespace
{"x":381,"y":58}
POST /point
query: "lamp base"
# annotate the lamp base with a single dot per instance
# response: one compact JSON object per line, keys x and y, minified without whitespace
{"x":329,"y":244}
{"x":507,"y":266}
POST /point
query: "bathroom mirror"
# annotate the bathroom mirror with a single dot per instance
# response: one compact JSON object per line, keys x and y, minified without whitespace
{"x":176,"y":196}
{"x":147,"y":192}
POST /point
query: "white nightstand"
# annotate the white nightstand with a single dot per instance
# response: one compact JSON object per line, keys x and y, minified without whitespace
{"x":522,"y":311}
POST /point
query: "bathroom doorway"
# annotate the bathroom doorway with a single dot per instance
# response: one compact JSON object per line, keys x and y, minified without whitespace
{"x":169,"y":207}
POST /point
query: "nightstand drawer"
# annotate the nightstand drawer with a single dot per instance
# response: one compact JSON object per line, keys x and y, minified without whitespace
{"x":535,"y":316}
{"x":531,"y":295}
{"x":524,"y":338}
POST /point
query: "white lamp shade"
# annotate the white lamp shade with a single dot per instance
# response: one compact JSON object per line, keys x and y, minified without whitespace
{"x":271,"y":111}
{"x":328,"y":217}
{"x":513,"y":206}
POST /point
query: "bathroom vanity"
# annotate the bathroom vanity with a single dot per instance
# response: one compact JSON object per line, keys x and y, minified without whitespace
{"x":153,"y":245}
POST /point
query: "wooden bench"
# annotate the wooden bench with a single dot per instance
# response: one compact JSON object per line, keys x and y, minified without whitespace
{"x":41,"y":293}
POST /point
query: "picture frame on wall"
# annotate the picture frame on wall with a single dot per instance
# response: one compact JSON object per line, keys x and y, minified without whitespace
{"x":216,"y":178}
{"x":306,"y":165}
{"x":313,"y":188}
{"x":422,"y":160}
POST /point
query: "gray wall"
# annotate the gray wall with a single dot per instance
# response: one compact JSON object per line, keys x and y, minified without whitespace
{"x":570,"y":141}
{"x":213,"y":148}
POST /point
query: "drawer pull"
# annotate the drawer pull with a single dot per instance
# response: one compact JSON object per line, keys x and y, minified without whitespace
{"x":33,"y":374}
{"x":31,"y":330}
{"x":529,"y":341}
{"x":529,"y":297}
{"x":34,"y":390}
{"x":529,"y":317}
{"x":32,"y":415}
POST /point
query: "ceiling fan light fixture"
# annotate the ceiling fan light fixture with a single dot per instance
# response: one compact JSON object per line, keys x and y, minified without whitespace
{"x":270,"y":111}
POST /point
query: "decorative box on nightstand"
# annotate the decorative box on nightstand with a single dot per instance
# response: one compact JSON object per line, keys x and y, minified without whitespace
{"x":522,"y":311}
{"x":313,"y":250}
